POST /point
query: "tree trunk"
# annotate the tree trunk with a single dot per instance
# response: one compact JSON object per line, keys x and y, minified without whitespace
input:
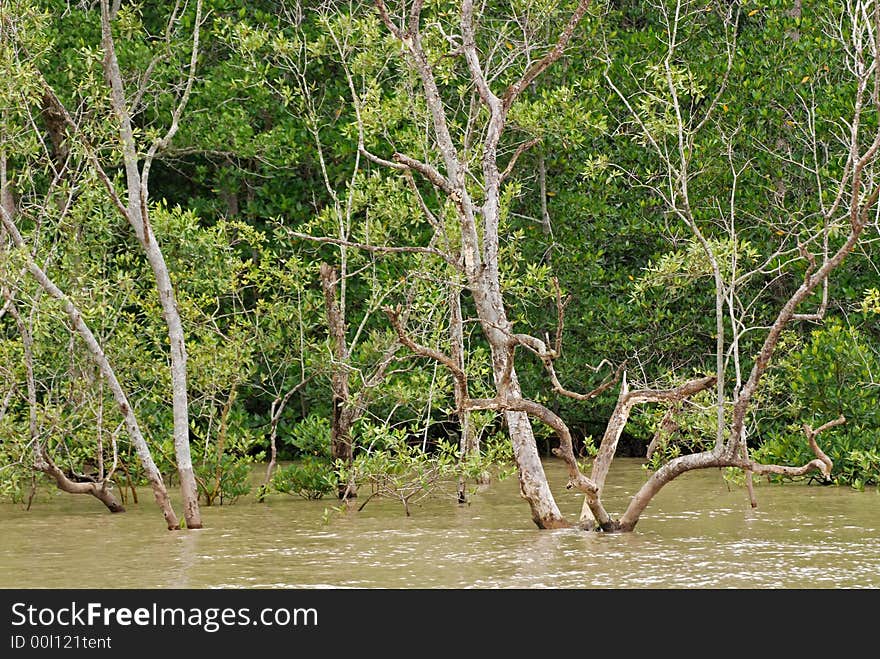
{"x":546,"y":227}
{"x":340,"y":430}
{"x":626,"y":401}
{"x":138,"y":217}
{"x":7,"y":198}
{"x":341,"y":447}
{"x":56,"y":126}
{"x":469,"y":443}
{"x":189,"y":489}
{"x":479,"y":254}
{"x":532,"y":479}
{"x":97,"y":353}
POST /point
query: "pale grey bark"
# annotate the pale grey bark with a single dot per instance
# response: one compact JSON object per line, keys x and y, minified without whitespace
{"x":626,"y":401}
{"x":7,"y":198}
{"x":730,"y":453}
{"x":479,"y":264}
{"x":509,"y":401}
{"x":137,"y":214}
{"x":479,"y":247}
{"x":822,"y":463}
{"x":855,"y":199}
{"x":99,"y":357}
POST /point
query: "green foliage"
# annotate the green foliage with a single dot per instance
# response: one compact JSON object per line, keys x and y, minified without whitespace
{"x":675,"y":270}
{"x":830,"y":374}
{"x":15,"y":473}
{"x":268,"y":146}
{"x":695,"y":429}
{"x":860,"y":468}
{"x":222,"y":481}
{"x":310,"y":478}
{"x":310,"y":437}
{"x":871,"y":303}
{"x":395,"y":469}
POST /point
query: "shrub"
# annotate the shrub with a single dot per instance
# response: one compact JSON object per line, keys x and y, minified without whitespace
{"x":311,"y":478}
{"x":829,"y":375}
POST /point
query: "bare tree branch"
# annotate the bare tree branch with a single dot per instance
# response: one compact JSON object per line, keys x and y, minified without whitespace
{"x":424,"y":351}
{"x":822,"y":463}
{"x":375,"y":248}
{"x":97,"y":353}
{"x":522,"y":148}
{"x":536,"y":69}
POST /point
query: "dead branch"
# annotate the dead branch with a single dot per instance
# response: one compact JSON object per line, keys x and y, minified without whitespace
{"x":275,"y":412}
{"x":426,"y":170}
{"x":536,"y":69}
{"x":576,"y":479}
{"x":424,"y":351}
{"x":822,"y":462}
{"x":379,"y":249}
{"x":548,"y":355}
{"x":561,"y":304}
{"x":522,"y":148}
{"x":100,"y":490}
{"x":668,"y":426}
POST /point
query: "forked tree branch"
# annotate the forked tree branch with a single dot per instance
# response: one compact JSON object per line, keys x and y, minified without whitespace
{"x":504,"y":403}
{"x":616,"y":424}
{"x":822,"y":462}
{"x":536,"y":69}
{"x":424,"y":351}
{"x":548,"y":355}
{"x":522,"y":148}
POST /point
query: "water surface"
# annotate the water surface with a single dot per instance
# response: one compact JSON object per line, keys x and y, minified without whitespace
{"x":698,"y":533}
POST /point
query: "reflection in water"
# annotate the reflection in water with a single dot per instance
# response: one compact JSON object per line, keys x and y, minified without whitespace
{"x":185,"y":559}
{"x":698,"y":533}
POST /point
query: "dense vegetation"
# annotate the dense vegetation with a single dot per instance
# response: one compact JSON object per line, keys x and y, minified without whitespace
{"x":617,"y":152}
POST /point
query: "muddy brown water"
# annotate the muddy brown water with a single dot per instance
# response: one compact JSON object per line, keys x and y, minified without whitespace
{"x":698,"y":533}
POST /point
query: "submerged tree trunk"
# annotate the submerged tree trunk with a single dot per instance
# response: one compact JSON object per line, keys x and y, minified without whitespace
{"x":626,"y":401}
{"x":478,"y":257}
{"x":137,"y":214}
{"x":180,"y":405}
{"x":343,"y":416}
{"x":533,"y":484}
{"x":469,"y":443}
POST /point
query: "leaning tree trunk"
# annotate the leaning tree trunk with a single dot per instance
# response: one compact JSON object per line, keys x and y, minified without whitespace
{"x":99,"y":490}
{"x":100,"y":359}
{"x":42,"y":461}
